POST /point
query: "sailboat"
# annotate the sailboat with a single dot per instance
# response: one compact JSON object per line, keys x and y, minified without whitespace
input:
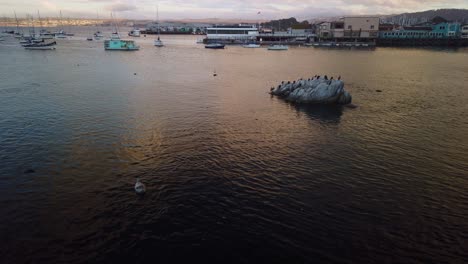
{"x":60,"y":34}
{"x":43,"y":34}
{"x":158,"y":42}
{"x":98,"y":35}
{"x":18,"y":34}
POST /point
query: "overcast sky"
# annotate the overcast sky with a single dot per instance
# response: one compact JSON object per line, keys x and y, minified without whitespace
{"x":246,"y":9}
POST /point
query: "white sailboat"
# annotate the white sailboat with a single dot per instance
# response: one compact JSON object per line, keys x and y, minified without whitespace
{"x":98,"y":35}
{"x":60,"y":34}
{"x":43,"y":34}
{"x":18,"y":34}
{"x":158,"y":42}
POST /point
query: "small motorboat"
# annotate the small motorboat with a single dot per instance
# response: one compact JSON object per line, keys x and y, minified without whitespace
{"x":251,"y":45}
{"x":98,"y":35}
{"x":134,"y":33}
{"x":278,"y":47}
{"x":158,"y":43}
{"x":41,"y":46}
{"x":214,"y":46}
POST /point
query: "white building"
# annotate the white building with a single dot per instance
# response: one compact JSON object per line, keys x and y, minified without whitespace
{"x":324,"y":30}
{"x":232,"y":32}
{"x":464,"y":31}
{"x":361,"y":27}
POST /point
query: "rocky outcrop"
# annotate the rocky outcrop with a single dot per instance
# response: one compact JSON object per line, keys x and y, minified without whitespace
{"x":315,"y":90}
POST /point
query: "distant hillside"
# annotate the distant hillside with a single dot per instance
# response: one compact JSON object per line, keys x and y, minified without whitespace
{"x":285,"y":23}
{"x":458,"y":15}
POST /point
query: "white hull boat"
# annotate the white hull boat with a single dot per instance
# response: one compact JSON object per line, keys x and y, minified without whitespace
{"x":252,"y":46}
{"x":41,"y":46}
{"x":278,"y":47}
{"x":158,"y":43}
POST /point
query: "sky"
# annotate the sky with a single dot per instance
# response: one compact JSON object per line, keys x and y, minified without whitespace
{"x":223,"y":9}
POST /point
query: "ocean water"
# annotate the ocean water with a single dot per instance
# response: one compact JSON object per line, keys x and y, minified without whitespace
{"x":233,"y":175}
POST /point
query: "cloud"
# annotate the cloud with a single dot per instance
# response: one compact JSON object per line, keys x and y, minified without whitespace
{"x":240,"y":9}
{"x":48,"y":5}
{"x":121,"y":7}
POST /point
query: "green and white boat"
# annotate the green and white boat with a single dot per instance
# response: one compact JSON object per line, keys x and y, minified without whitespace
{"x":115,"y":43}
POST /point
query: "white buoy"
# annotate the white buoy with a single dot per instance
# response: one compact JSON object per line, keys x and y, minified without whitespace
{"x":139,"y":187}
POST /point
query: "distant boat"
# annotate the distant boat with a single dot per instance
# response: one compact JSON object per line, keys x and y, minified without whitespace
{"x":44,"y":34}
{"x":41,"y":46}
{"x":251,"y":45}
{"x":278,"y":47}
{"x":158,"y":42}
{"x":214,"y":46}
{"x":60,"y":35}
{"x":134,"y":33}
{"x":89,"y":39}
{"x":199,"y":41}
{"x":98,"y":35}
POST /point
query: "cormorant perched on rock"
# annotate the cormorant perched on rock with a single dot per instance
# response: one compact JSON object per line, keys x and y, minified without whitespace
{"x":339,"y":77}
{"x":326,"y":77}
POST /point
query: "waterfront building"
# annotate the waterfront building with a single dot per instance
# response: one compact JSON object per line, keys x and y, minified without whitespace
{"x":361,"y":27}
{"x":324,"y":30}
{"x":442,"y":30}
{"x":232,"y":32}
{"x":464,"y":31}
{"x":349,"y":29}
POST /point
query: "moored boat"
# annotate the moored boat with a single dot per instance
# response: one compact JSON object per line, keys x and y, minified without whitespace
{"x":251,"y":45}
{"x":214,"y":46}
{"x":134,"y":33}
{"x":158,"y":43}
{"x":98,"y":35}
{"x":41,"y":46}
{"x":115,"y":43}
{"x":278,"y":47}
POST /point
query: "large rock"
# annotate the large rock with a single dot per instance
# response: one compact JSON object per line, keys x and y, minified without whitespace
{"x":315,"y":90}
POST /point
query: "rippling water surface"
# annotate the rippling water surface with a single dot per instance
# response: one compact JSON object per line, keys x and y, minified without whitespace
{"x":232,"y":174}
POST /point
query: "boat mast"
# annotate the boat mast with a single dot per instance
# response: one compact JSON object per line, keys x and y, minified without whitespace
{"x":157,"y":19}
{"x":60,"y":21}
{"x":115,"y":24}
{"x":33,"y":32}
{"x":97,"y":22}
{"x":40,"y":22}
{"x":17,"y":23}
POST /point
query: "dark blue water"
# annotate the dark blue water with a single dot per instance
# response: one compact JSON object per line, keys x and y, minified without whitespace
{"x":232,"y":175}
